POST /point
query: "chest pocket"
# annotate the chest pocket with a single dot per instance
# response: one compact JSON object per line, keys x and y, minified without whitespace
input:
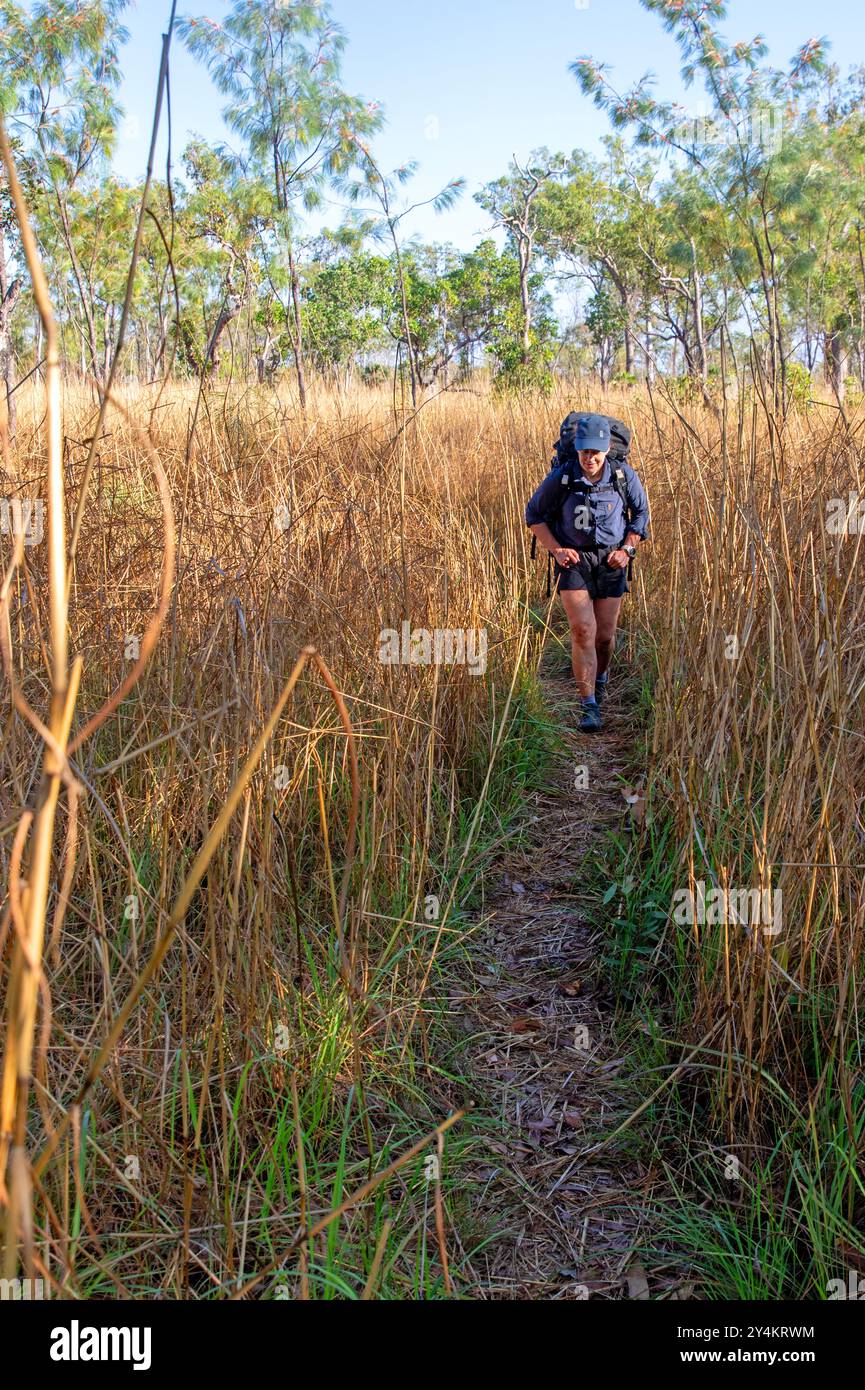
{"x":591,"y":515}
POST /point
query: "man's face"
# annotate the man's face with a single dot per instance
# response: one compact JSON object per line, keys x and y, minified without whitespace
{"x":592,"y":463}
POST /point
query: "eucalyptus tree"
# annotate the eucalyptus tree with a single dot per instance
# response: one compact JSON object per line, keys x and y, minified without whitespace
{"x":589,"y":221}
{"x":460,"y":305}
{"x":745,"y":150}
{"x":279,"y":66}
{"x":835,"y":230}
{"x":10,"y":290}
{"x":348,"y":301}
{"x":514,"y":203}
{"x":59,"y":74}
{"x":380,"y":211}
{"x":487,"y":310}
{"x":694,"y":291}
{"x":221,"y":214}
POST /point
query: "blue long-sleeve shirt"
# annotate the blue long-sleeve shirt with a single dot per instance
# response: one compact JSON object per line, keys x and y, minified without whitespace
{"x":592,"y":513}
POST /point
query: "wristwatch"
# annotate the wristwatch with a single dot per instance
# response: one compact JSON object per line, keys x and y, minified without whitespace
{"x":630,"y":550}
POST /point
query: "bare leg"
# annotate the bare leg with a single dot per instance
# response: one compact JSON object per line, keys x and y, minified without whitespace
{"x":606,"y":620}
{"x":581,"y":620}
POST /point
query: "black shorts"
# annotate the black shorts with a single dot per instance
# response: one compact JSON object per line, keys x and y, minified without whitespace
{"x":592,"y":573}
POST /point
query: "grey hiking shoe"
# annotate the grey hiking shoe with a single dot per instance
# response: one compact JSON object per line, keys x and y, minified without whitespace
{"x":601,"y":688}
{"x":590,"y":721}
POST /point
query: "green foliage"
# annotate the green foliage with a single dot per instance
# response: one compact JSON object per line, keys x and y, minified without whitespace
{"x":279,"y":67}
{"x":346,"y":308}
{"x":798,"y":383}
{"x":682,"y":389}
{"x":521,"y":372}
{"x":59,"y":71}
{"x":525,"y":348}
{"x":751,"y":235}
{"x":763,"y":157}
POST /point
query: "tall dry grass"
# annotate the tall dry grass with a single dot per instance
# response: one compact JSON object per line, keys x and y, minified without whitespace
{"x":753,"y":626}
{"x":308,"y":956}
{"x":757,"y":615}
{"x":293,"y":1044}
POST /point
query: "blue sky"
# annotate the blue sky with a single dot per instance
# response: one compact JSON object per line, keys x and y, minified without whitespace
{"x":466,"y":84}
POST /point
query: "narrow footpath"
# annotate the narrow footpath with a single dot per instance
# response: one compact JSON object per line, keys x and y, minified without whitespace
{"x":545,"y":1063}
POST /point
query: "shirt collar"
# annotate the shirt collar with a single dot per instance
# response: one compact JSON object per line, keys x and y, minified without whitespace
{"x":605,"y":477}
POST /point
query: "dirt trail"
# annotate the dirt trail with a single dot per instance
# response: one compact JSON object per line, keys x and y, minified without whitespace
{"x":545,"y":1060}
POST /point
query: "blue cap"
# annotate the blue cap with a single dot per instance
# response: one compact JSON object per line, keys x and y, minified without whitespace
{"x":593,"y":432}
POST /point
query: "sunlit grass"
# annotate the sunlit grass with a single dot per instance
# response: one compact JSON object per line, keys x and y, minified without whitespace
{"x":752,"y":765}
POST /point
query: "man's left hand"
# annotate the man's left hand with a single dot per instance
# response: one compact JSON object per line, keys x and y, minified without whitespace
{"x":618,"y":560}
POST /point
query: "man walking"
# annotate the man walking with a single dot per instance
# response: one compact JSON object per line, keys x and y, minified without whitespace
{"x":591,"y":514}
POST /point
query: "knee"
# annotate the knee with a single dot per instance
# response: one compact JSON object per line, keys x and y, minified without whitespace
{"x":582,"y":633}
{"x":604,"y":638}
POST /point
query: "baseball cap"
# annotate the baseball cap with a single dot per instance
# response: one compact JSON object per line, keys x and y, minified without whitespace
{"x":593,"y":432}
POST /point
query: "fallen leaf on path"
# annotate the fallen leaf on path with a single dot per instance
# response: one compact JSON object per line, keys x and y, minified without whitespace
{"x":636,"y":799}
{"x":685,"y":1291}
{"x":638,"y":1284}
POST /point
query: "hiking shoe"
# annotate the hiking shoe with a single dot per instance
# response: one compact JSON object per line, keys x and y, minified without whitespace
{"x":601,"y":688}
{"x":590,"y":722}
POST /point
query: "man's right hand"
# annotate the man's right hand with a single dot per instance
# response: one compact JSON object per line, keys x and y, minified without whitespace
{"x":566,"y":557}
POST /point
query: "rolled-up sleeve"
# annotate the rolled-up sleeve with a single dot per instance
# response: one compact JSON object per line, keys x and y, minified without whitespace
{"x":638,"y":504}
{"x":541,"y":502}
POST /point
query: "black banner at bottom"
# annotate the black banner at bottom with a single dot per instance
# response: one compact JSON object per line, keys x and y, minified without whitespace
{"x":65,"y":1338}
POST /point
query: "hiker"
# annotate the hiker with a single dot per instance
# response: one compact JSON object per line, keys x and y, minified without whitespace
{"x":591,"y":514}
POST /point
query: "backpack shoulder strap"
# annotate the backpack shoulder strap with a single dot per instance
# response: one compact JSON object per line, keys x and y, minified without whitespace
{"x":566,"y":481}
{"x":620,"y":483}
{"x":572,"y":478}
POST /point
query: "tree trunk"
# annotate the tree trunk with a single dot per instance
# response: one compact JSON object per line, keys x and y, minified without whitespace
{"x":412,"y":365}
{"x":8,"y":299}
{"x":297,"y":335}
{"x":83,"y":293}
{"x":629,"y":347}
{"x":833,"y":359}
{"x":212,"y":356}
{"x":108,"y":334}
{"x":626,"y":297}
{"x":188,"y":350}
{"x":774,"y":347}
{"x":265,"y":362}
{"x":650,"y":358}
{"x":159,"y":355}
{"x":525,"y":249}
{"x":702,"y":363}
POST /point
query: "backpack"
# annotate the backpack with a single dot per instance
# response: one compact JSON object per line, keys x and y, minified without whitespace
{"x":620,"y":440}
{"x":565,"y":457}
